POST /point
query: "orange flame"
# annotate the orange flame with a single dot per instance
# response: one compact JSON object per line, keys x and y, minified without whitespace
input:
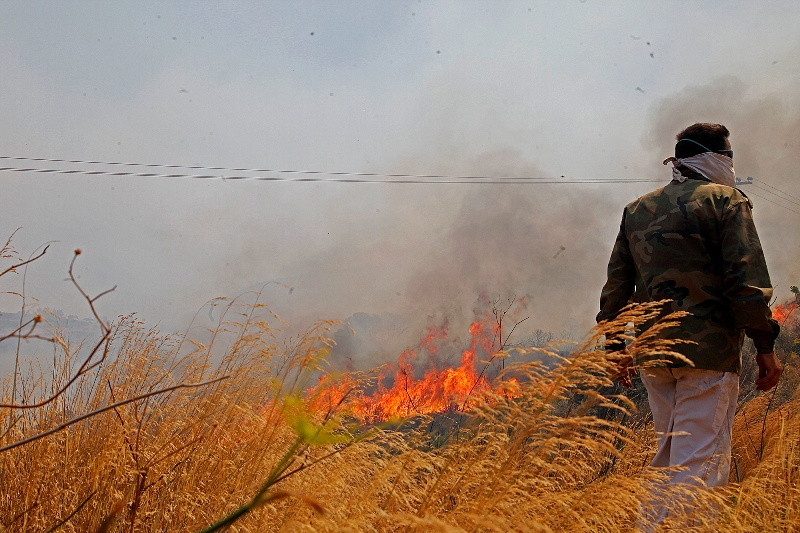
{"x":439,"y":390}
{"x":433,"y":334}
{"x":783,"y":312}
{"x":329,"y":394}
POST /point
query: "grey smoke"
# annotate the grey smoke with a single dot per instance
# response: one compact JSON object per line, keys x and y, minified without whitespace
{"x":765,"y":135}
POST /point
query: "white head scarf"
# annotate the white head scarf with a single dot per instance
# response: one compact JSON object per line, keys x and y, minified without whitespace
{"x":711,"y":165}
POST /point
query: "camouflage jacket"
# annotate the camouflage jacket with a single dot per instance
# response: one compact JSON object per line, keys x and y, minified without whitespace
{"x":694,"y":244}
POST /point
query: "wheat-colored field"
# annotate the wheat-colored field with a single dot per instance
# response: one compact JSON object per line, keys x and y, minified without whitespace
{"x":244,"y":438}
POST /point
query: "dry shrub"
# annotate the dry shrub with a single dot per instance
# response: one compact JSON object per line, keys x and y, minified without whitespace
{"x":538,"y":458}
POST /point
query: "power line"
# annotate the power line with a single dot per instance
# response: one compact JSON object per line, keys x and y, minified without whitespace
{"x":319,"y":176}
{"x":775,"y":188}
{"x":476,"y":180}
{"x":273,"y":171}
{"x":773,"y":202}
{"x":301,"y":175}
{"x":776,"y":194}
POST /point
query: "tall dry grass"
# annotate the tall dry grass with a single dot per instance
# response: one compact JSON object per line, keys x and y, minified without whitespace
{"x":264,"y":450}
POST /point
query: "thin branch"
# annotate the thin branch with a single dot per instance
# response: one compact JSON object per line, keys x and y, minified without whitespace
{"x":112,"y":289}
{"x":153,"y":462}
{"x":23,"y":263}
{"x":37,"y":337}
{"x":89,"y":363}
{"x":172,"y":469}
{"x":789,"y":314}
{"x":84,"y":368}
{"x":73,"y":513}
{"x":766,"y":414}
{"x":89,"y":299}
{"x":315,"y":461}
{"x":504,"y":344}
{"x":21,"y":318}
{"x":499,"y":320}
{"x":33,"y":322}
{"x":19,"y":515}
{"x":405,"y":374}
{"x":107,"y":408}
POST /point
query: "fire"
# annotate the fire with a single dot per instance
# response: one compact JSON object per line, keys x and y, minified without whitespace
{"x":439,"y":390}
{"x":783,"y":312}
{"x":433,"y":334}
{"x":329,"y":394}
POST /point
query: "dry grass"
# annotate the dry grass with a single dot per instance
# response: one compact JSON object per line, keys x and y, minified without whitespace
{"x":541,"y":461}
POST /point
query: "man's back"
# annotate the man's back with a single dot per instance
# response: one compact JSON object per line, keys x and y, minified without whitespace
{"x":694,"y":243}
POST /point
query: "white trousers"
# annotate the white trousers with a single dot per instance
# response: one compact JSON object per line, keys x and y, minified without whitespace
{"x":693,"y":417}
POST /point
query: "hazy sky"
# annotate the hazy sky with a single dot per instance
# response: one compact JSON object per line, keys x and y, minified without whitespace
{"x":581,"y":89}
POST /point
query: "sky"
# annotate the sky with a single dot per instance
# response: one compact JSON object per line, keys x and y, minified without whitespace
{"x":572,"y":89}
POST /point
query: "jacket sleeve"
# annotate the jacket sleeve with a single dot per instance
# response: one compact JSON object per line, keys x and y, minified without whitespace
{"x":746,"y":282}
{"x":620,"y":284}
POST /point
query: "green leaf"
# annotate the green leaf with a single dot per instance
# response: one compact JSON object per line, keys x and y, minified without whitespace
{"x":315,"y":434}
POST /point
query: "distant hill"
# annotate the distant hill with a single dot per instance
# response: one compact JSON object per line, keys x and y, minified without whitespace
{"x":75,"y":329}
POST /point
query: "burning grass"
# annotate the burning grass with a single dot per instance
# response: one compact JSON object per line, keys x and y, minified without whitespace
{"x":266,"y":446}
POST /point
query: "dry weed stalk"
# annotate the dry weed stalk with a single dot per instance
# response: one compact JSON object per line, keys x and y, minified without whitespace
{"x":259,"y":451}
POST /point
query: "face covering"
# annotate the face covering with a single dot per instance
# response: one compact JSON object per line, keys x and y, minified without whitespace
{"x":712,"y":166}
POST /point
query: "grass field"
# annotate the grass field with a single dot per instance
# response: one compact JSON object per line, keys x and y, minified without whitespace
{"x":244,"y":437}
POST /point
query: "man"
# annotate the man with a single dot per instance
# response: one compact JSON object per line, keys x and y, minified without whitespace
{"x":693,"y":244}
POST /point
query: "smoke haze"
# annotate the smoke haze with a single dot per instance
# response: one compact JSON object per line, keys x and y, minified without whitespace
{"x":563,"y":91}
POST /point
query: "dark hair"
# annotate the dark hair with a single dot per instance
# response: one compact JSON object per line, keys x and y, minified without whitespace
{"x":712,"y":136}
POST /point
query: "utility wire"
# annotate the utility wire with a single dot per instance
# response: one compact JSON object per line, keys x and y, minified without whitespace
{"x":271,"y":171}
{"x":775,"y":188}
{"x":328,"y":173}
{"x":776,"y":194}
{"x":291,"y":175}
{"x":773,"y":202}
{"x":476,"y":180}
{"x":305,"y":175}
